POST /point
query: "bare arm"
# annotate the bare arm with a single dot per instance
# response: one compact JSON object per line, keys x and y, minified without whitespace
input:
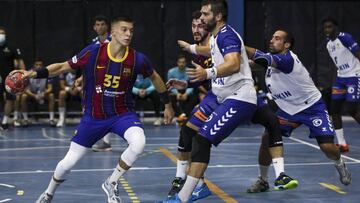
{"x":250,"y":51}
{"x":201,"y":50}
{"x":49,"y":89}
{"x":19,"y":64}
{"x":54,"y":70}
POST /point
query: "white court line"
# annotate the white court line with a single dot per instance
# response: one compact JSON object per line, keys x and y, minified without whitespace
{"x":7,"y":185}
{"x":45,"y":135}
{"x":5,"y":200}
{"x":166,"y":168}
{"x":317,"y":147}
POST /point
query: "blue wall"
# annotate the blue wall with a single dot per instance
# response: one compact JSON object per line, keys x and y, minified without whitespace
{"x":236,"y":15}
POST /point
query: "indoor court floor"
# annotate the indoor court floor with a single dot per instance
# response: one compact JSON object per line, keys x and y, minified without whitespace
{"x":28,"y":157}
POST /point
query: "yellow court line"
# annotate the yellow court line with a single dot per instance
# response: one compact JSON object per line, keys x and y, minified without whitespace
{"x":333,"y":187}
{"x":129,"y":190}
{"x":215,"y":189}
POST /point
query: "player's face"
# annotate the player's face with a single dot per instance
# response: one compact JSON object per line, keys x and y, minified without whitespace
{"x":181,"y":63}
{"x":208,"y":18}
{"x":122,"y":32}
{"x":277,"y":42}
{"x":38,"y":64}
{"x":329,"y":29}
{"x":100,"y":27}
{"x":198,"y":30}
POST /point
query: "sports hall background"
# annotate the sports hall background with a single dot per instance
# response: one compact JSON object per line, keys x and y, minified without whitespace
{"x":55,"y":30}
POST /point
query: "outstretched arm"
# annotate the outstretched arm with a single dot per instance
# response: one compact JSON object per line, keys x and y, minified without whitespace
{"x":194,"y":49}
{"x":49,"y":71}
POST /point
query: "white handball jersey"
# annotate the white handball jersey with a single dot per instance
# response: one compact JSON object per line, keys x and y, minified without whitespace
{"x":342,"y":51}
{"x":290,"y":84}
{"x":240,"y":85}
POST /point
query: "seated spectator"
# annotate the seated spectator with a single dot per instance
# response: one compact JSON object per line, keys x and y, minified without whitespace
{"x":39,"y":90}
{"x":144,"y":90}
{"x":68,"y":91}
{"x":183,"y":101}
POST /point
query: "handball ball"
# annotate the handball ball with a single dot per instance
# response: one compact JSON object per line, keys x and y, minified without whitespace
{"x":15,"y":84}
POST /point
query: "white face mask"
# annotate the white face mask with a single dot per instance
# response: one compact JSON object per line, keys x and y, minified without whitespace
{"x":2,"y":39}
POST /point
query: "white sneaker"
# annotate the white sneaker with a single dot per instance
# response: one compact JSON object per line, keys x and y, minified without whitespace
{"x":60,"y":123}
{"x":112,"y":191}
{"x":44,"y":198}
{"x":17,"y":123}
{"x":157,"y":122}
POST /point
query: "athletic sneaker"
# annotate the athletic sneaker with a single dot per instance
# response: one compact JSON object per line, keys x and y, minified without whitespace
{"x":285,"y":182}
{"x":17,"y":123}
{"x":112,"y":191}
{"x":103,"y":147}
{"x":157,"y":122}
{"x":52,"y":123}
{"x":200,"y":192}
{"x":44,"y":198}
{"x":177,"y":184}
{"x":345,"y":175}
{"x":173,"y":199}
{"x":259,"y":186}
{"x":343,"y":147}
{"x":60,"y":123}
{"x":4,"y":126}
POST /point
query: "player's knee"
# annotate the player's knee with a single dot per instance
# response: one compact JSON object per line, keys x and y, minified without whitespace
{"x":185,"y":141}
{"x":201,"y":150}
{"x":136,"y":139}
{"x":62,"y":94}
{"x":325,"y":141}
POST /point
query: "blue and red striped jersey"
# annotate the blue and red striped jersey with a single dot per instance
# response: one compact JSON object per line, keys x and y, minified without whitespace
{"x":108,"y":82}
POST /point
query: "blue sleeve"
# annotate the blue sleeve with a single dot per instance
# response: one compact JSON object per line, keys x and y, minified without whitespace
{"x":150,"y":89}
{"x":189,"y":91}
{"x":146,"y":67}
{"x":228,"y":42}
{"x":82,"y":57}
{"x":284,"y":62}
{"x":348,"y":41}
{"x":135,"y":90}
{"x":170,"y":74}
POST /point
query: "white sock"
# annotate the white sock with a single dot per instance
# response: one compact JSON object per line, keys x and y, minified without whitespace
{"x":61,"y":113}
{"x":278,"y":165}
{"x":263,"y":172}
{"x":118,"y":172}
{"x":340,"y":136}
{"x":16,"y":115}
{"x":107,"y":138}
{"x":188,"y":188}
{"x":51,"y":114}
{"x":5,"y":119}
{"x":52,"y":186}
{"x":339,"y":162}
{"x":200,"y":183}
{"x":181,"y":168}
{"x":25,"y":115}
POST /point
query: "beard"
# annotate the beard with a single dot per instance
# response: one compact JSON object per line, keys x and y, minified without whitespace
{"x":210,"y":26}
{"x":200,"y":38}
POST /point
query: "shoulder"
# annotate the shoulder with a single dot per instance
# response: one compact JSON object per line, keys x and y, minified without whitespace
{"x":345,"y":37}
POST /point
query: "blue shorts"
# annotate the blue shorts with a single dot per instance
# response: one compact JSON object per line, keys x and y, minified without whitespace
{"x":315,"y":117}
{"x":91,"y":130}
{"x":346,"y":88}
{"x":216,"y":121}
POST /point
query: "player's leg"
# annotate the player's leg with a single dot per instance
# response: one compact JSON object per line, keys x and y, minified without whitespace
{"x":154,"y":97}
{"x":61,"y":108}
{"x":17,"y":111}
{"x":353,"y":97}
{"x":24,"y":109}
{"x":51,"y":106}
{"x":338,"y":96}
{"x":8,"y":108}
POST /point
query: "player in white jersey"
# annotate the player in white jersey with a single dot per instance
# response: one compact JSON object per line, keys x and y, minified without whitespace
{"x":345,"y":53}
{"x":232,"y":99}
{"x":298,"y":99}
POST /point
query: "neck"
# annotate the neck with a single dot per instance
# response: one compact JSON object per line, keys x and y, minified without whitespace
{"x":103,"y":37}
{"x":219,"y":25}
{"x":117,"y":50}
{"x":333,"y":37}
{"x":205,"y":42}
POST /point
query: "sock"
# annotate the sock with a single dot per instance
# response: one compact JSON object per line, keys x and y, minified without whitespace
{"x":340,"y":136}
{"x":5,"y":119}
{"x":263,"y":172}
{"x":201,"y":182}
{"x":118,"y":172}
{"x":188,"y":188}
{"x":61,"y":113}
{"x":51,"y":114}
{"x":181,"y":168}
{"x":52,"y":186}
{"x":16,"y":115}
{"x":339,"y":162}
{"x":25,"y":115}
{"x":278,"y":165}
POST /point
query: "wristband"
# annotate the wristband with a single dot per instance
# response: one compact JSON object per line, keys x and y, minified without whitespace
{"x":211,"y":73}
{"x":193,"y":49}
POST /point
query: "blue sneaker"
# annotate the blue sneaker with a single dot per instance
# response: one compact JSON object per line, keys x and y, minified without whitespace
{"x":200,"y":192}
{"x":173,"y":199}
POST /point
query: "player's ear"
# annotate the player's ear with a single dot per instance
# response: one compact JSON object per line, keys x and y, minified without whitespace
{"x":287,"y":45}
{"x":218,"y":16}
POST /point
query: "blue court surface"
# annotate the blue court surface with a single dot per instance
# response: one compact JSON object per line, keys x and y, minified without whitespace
{"x":28,"y":157}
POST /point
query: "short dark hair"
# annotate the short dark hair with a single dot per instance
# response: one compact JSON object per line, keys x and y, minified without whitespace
{"x":180,"y":56}
{"x":2,"y":28}
{"x":127,"y":19}
{"x":331,"y":20}
{"x":196,"y":15}
{"x":289,"y":38}
{"x":217,"y":6}
{"x":101,"y":18}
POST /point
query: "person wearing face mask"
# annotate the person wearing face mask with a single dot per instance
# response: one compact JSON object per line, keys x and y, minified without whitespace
{"x":10,"y":59}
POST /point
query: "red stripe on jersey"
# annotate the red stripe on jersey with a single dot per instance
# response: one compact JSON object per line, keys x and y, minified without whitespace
{"x":100,"y":70}
{"x":127,"y":71}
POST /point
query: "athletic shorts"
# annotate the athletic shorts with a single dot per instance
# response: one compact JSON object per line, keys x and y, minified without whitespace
{"x":346,"y":88}
{"x":91,"y":130}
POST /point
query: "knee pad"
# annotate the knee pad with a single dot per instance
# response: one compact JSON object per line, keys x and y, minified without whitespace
{"x":136,"y":139}
{"x":200,"y":150}
{"x":185,"y":141}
